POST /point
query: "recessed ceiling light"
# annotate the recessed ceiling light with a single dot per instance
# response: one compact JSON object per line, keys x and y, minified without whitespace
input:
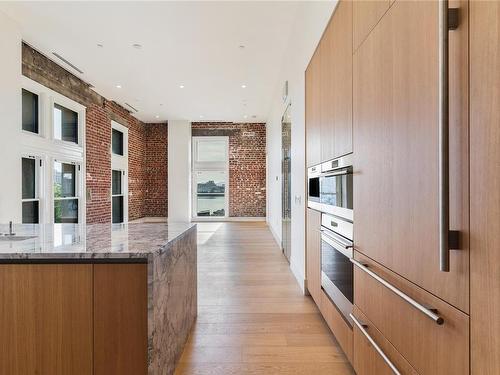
{"x":243,"y":86}
{"x":245,"y":116}
{"x":118,"y":86}
{"x":201,"y":116}
{"x":157,"y":116}
{"x":137,"y":45}
{"x":254,"y":116}
{"x":181,"y":86}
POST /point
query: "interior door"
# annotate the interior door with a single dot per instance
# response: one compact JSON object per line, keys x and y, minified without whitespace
{"x":286,"y":206}
{"x":396,"y":148}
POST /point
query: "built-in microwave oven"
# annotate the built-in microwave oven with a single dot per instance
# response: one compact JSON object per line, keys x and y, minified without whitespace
{"x":337,"y":270}
{"x":330,"y":187}
{"x":313,"y":187}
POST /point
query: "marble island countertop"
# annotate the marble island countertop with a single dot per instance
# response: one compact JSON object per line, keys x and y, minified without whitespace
{"x":92,"y":241}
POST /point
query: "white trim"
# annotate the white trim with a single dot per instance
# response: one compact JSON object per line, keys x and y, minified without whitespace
{"x":224,"y":219}
{"x":120,"y":163}
{"x":47,"y":149}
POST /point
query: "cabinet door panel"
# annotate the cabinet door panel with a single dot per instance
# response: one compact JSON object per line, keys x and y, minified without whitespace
{"x":313,"y":244}
{"x":366,"y":14}
{"x":46,"y":319}
{"x":120,"y":319}
{"x":313,"y":119}
{"x":396,"y":158}
{"x":485,"y":186}
{"x":336,"y":84}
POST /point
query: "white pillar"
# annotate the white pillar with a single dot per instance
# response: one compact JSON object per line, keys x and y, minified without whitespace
{"x":179,"y":171}
{"x":10,"y":121}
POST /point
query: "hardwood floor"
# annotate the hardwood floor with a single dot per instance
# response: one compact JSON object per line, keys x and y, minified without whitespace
{"x":253,"y":318}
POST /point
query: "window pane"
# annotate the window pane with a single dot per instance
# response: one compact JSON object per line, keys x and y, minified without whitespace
{"x":64,"y":180}
{"x":66,"y":211}
{"x":30,"y":212}
{"x":117,"y":142}
{"x":117,"y":209}
{"x":65,"y":124}
{"x":116,"y":184}
{"x":28,"y":172}
{"x":211,"y":150}
{"x":210,"y":193}
{"x":30,"y":111}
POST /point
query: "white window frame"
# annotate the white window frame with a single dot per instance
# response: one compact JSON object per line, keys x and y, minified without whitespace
{"x":78,"y":188}
{"x":197,"y":166}
{"x":120,"y":163}
{"x":39,"y":184}
{"x":44,"y":146}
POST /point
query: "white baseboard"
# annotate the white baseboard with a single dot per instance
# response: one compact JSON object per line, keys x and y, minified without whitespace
{"x":275,"y":235}
{"x":299,"y":277}
{"x":224,"y":219}
{"x":149,"y":219}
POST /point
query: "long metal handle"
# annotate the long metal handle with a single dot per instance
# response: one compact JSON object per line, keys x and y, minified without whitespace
{"x":427,"y":311}
{"x":386,"y":359}
{"x":344,"y":245}
{"x":340,"y":173}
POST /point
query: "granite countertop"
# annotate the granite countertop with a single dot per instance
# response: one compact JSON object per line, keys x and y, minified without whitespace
{"x":139,"y":241}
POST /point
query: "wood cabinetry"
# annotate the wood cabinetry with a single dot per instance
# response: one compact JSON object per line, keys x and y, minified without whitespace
{"x":430,"y":348}
{"x":120,"y":319}
{"x":396,"y":143}
{"x":313,"y":120}
{"x":485,"y":186}
{"x":367,"y":360}
{"x":366,"y":14}
{"x":336,"y":84}
{"x":313,"y":245}
{"x":329,"y":91}
{"x":46,"y":319}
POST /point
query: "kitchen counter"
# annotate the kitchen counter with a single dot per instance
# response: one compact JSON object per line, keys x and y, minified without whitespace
{"x":167,"y":252}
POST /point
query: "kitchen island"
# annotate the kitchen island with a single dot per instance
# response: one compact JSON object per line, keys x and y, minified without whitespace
{"x":96,"y":299}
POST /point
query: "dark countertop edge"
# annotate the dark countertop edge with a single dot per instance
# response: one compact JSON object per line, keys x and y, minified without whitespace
{"x":82,"y":257}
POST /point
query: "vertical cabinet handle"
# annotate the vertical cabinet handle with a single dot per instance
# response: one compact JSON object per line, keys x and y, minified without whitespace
{"x":386,"y":359}
{"x":448,"y":19}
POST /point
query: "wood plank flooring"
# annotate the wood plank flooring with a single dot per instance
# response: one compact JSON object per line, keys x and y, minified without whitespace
{"x":253,"y":317}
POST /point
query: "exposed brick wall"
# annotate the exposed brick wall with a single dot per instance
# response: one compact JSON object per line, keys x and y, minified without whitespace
{"x":156,"y":170}
{"x":247,"y":164}
{"x":144,"y":148}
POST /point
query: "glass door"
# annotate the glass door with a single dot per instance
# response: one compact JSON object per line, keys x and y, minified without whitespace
{"x":210,"y":177}
{"x":286,"y":206}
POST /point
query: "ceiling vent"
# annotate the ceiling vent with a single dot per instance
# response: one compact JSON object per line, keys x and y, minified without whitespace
{"x":67,"y":62}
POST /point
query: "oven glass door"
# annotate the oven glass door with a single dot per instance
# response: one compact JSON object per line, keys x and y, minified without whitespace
{"x":314,"y":189}
{"x":336,"y":189}
{"x":337,"y":267}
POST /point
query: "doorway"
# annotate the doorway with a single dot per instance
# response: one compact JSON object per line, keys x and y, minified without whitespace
{"x":286,"y":206}
{"x":210,"y":176}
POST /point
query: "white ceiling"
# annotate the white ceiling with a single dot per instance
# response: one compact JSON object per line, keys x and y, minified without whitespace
{"x":195,"y":44}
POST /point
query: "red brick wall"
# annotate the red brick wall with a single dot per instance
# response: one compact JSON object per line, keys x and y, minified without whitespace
{"x":247,"y":165}
{"x":156,"y":170}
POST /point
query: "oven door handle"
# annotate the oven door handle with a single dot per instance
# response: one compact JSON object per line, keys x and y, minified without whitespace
{"x":344,"y":245}
{"x":339,"y":173}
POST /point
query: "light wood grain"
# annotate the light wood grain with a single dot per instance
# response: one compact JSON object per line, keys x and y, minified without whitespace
{"x":312,"y":110}
{"x":396,"y":149}
{"x":366,"y":14}
{"x":335,"y":80}
{"x":313,"y":245}
{"x":485,"y":186}
{"x":46,"y":319}
{"x":120,"y":319}
{"x":428,"y":347}
{"x":367,"y":360}
{"x":255,"y":329}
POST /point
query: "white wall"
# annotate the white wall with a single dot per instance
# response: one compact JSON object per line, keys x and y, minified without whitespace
{"x":179,"y":171}
{"x":311,"y":20}
{"x":10,"y":115}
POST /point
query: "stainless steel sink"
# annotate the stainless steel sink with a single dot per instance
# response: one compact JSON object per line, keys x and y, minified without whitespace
{"x":14,"y":237}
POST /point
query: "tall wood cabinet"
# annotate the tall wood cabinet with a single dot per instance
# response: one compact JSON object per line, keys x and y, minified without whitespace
{"x":329,"y":91}
{"x":313,"y":253}
{"x":396,"y":149}
{"x":485,"y":186}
